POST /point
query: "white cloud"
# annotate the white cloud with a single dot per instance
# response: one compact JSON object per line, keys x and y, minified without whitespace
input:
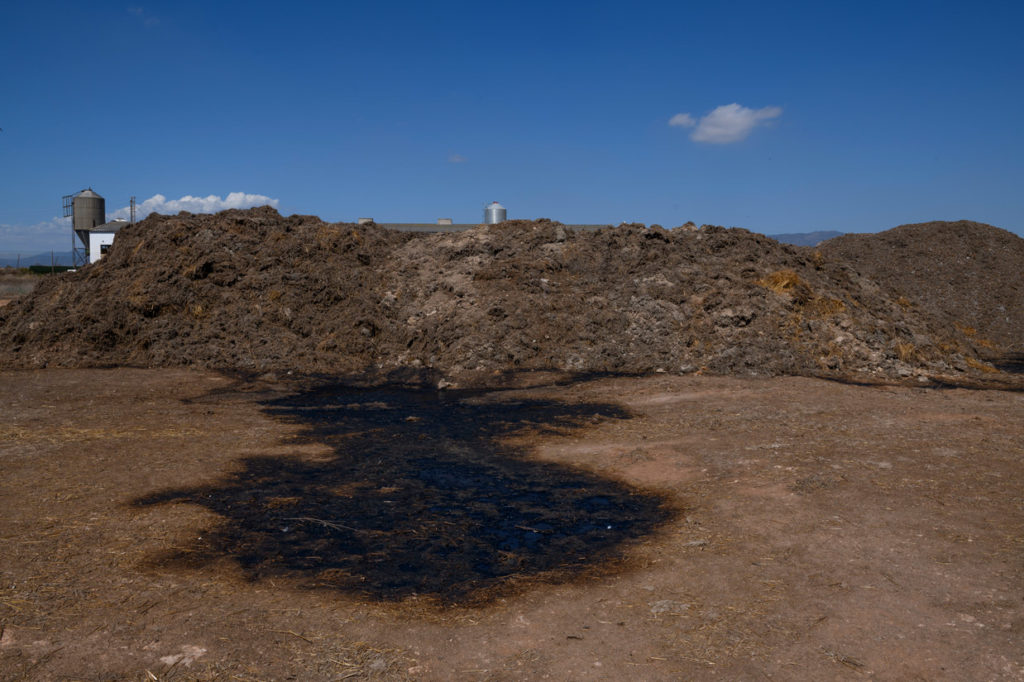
{"x":56,"y":232}
{"x":682,"y":121}
{"x":31,"y":239}
{"x":158,"y":203}
{"x":727,"y":123}
{"x":456,"y":158}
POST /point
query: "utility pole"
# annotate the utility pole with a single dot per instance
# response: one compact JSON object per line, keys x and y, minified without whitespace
{"x":132,"y":204}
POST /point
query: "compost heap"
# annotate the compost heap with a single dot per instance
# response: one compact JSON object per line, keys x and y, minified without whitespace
{"x":961,"y":274}
{"x":252,"y":290}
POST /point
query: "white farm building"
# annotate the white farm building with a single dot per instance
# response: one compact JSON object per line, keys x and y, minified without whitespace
{"x":101,"y":237}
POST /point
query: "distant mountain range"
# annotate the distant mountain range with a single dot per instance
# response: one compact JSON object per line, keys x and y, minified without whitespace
{"x":805,"y":238}
{"x":24,"y":260}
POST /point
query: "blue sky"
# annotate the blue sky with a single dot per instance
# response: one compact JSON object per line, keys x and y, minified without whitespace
{"x":848,"y":116}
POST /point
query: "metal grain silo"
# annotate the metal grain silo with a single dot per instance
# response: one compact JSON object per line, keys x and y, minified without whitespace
{"x":88,"y":210}
{"x":494,"y":213}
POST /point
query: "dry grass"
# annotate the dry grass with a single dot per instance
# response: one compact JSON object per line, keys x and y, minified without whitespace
{"x":907,"y":352}
{"x":789,"y":283}
{"x":365,"y":662}
{"x":782,"y":281}
{"x":972,"y":334}
{"x":827,"y":307}
{"x":983,"y":366}
{"x":16,"y":284}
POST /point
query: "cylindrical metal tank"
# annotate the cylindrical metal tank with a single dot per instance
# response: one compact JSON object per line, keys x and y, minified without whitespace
{"x":494,"y":213}
{"x":88,"y":210}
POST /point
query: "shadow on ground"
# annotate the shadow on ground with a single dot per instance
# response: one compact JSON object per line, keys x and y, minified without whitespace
{"x":1012,"y":363}
{"x":418,"y":497}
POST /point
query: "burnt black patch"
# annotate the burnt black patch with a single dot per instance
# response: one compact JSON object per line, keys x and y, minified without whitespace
{"x":418,"y":497}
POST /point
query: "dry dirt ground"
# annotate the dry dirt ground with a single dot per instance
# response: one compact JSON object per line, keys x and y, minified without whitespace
{"x":14,"y":285}
{"x":184,"y":525}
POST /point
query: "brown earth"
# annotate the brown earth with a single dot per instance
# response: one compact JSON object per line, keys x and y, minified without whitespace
{"x":183,"y":525}
{"x":960,"y":274}
{"x":255,"y":291}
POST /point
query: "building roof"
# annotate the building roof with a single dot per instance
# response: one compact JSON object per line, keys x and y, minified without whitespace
{"x":428,"y":227}
{"x":113,"y":226}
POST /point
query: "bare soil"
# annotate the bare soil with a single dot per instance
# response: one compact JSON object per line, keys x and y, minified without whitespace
{"x":186,"y":525}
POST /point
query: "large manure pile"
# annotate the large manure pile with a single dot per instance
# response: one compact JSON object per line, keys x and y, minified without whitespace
{"x":255,"y":291}
{"x":961,"y":274}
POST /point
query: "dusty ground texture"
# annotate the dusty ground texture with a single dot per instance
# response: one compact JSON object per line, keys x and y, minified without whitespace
{"x":182,"y":525}
{"x":256,"y":291}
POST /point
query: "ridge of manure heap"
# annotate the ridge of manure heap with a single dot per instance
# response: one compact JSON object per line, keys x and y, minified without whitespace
{"x":254,"y":291}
